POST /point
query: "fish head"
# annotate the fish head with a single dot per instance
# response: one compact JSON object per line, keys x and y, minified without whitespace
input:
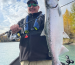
{"x":51,"y":3}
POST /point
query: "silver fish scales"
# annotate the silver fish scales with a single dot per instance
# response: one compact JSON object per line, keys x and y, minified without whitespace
{"x":53,"y":30}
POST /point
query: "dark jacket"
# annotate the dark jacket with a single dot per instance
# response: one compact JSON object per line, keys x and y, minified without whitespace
{"x":34,"y":47}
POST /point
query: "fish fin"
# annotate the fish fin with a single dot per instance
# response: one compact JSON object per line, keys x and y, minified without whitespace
{"x":63,"y":50}
{"x":43,"y":33}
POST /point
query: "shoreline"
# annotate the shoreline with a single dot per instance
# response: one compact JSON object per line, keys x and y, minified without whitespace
{"x":69,"y":44}
{"x":72,"y":44}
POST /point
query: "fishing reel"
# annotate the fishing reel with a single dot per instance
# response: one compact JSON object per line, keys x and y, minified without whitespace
{"x":68,"y":61}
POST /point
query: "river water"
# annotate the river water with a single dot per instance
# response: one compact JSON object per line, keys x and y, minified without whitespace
{"x":10,"y":50}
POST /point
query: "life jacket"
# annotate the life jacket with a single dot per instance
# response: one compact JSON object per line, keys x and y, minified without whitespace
{"x":35,"y":26}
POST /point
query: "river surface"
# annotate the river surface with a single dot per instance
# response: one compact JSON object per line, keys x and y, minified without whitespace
{"x":10,"y":51}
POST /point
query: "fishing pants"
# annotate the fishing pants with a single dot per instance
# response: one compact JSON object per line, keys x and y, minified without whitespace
{"x":44,"y":62}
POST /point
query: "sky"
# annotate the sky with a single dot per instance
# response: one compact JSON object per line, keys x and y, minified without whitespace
{"x":12,"y":11}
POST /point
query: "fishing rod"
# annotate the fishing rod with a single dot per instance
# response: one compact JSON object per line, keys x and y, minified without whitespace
{"x":27,"y":12}
{"x":4,"y":33}
{"x":22,"y":25}
{"x":67,"y":4}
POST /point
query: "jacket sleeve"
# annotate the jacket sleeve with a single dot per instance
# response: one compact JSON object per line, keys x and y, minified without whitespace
{"x":41,"y":21}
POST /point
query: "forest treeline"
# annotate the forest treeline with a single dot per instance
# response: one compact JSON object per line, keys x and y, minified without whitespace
{"x":69,"y":21}
{"x":6,"y":39}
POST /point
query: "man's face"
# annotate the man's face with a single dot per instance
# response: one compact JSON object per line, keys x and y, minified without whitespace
{"x":33,"y":9}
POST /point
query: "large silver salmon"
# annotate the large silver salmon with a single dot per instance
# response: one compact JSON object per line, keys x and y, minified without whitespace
{"x":53,"y":28}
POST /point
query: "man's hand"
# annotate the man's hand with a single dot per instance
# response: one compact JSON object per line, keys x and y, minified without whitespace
{"x":15,"y":28}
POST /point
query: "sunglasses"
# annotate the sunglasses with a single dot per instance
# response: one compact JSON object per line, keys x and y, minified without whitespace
{"x":29,"y":5}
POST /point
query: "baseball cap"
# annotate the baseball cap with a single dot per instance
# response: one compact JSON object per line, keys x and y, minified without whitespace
{"x":32,"y":0}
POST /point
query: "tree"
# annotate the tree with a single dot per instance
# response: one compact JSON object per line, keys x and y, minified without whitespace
{"x":67,"y":23}
{"x":73,"y":17}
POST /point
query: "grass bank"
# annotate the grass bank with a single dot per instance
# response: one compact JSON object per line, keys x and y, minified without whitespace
{"x":67,"y":41}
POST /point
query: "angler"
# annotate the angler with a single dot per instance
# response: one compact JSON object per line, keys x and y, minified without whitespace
{"x":33,"y":47}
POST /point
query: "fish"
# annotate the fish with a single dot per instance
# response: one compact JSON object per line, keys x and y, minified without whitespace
{"x":53,"y":30}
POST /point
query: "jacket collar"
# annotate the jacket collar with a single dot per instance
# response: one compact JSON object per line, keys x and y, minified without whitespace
{"x":35,"y":14}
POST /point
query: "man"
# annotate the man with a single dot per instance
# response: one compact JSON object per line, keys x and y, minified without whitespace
{"x":33,"y":47}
